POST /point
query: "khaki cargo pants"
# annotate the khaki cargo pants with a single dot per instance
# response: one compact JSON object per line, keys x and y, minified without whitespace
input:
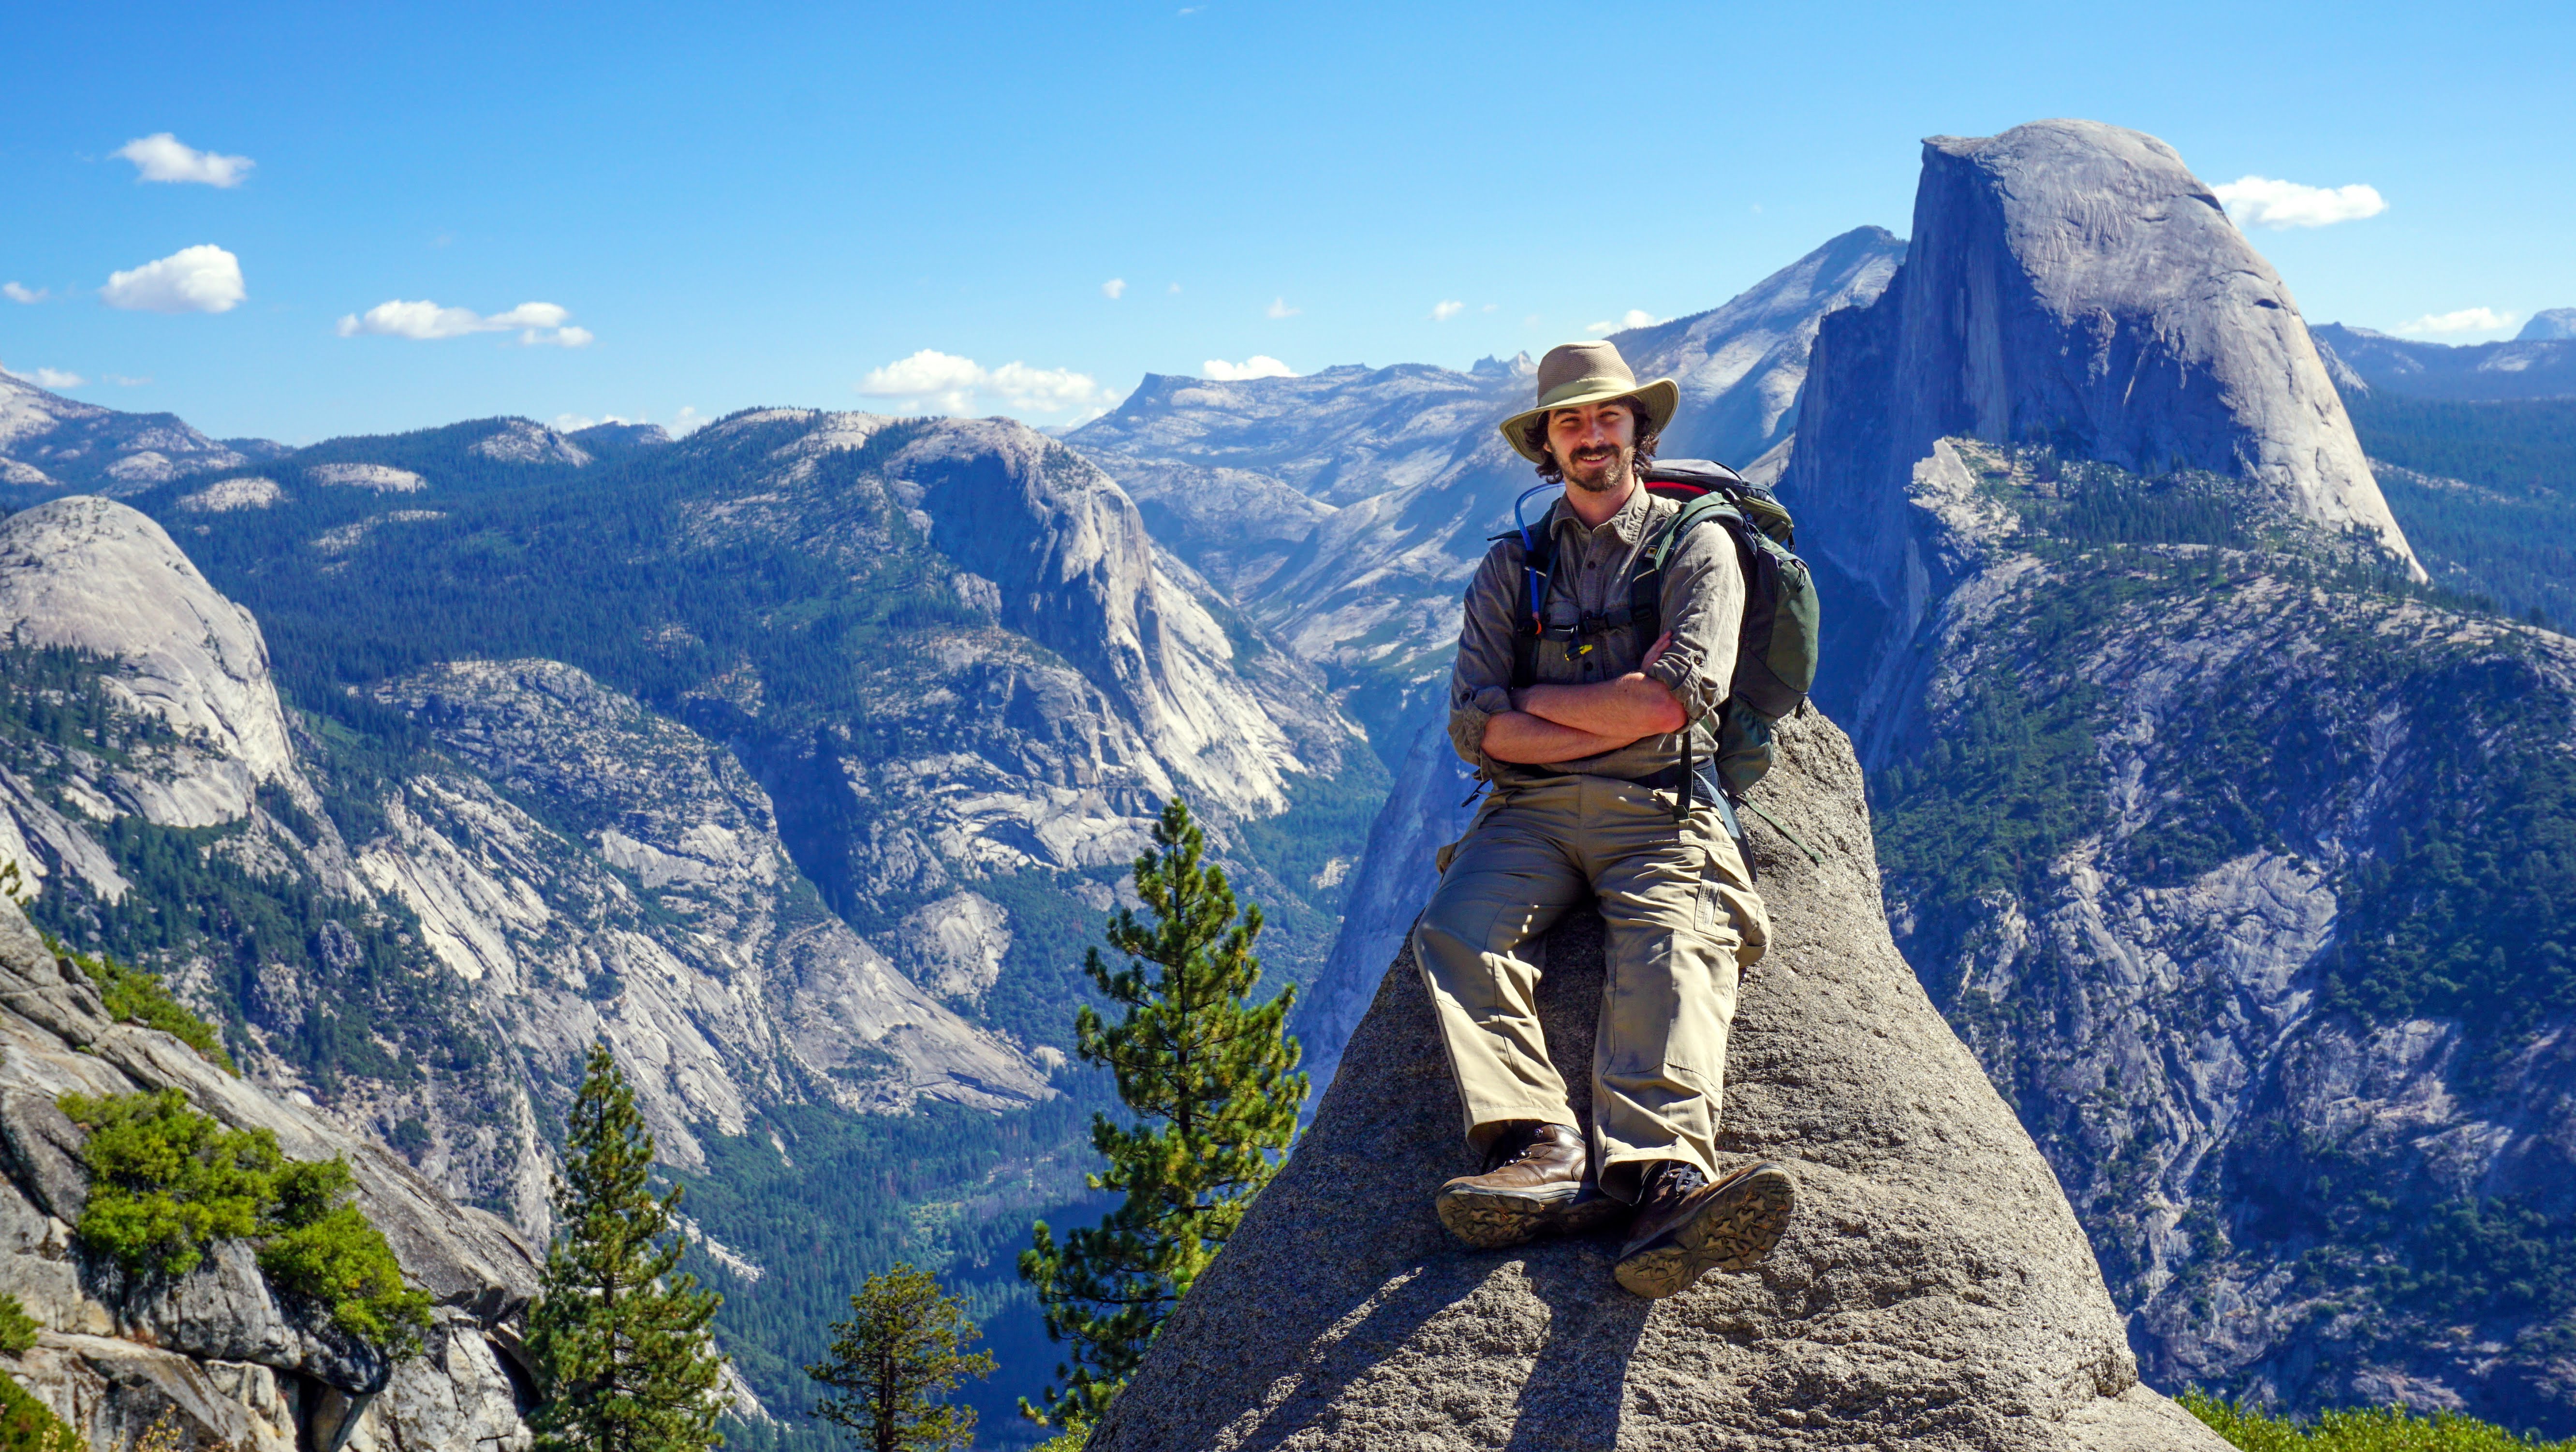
{"x":1682,"y":915}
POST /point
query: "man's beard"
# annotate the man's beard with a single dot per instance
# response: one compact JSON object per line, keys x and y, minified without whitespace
{"x":1599,"y":471}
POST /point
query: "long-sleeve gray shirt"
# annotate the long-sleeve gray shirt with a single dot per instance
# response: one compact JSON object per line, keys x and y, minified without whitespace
{"x":1702,"y":602}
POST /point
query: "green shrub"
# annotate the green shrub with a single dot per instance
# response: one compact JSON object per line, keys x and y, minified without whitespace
{"x":28,"y":1425}
{"x":17,"y":1328}
{"x":2359,"y":1429}
{"x":324,"y":1249}
{"x":167,"y":1182}
{"x":136,"y":996}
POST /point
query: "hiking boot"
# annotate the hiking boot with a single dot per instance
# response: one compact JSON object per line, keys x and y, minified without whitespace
{"x":1534,"y":1183}
{"x":1686,"y":1226}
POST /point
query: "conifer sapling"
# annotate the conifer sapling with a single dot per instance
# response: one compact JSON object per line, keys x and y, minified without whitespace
{"x":1212,"y":1078}
{"x":623,"y":1357}
{"x":894,"y":1362}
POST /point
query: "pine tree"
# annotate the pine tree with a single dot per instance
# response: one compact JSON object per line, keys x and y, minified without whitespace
{"x":1212,"y":1077}
{"x":894,"y":1362}
{"x":624,"y":1361}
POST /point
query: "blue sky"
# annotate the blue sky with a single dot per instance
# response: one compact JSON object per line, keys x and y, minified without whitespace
{"x":774,"y":204}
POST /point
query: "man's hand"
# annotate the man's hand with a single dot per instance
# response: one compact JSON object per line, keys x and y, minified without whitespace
{"x":1550,"y":724}
{"x":1628,"y":707}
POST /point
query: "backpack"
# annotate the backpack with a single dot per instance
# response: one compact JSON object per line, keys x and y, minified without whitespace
{"x":1775,"y":652}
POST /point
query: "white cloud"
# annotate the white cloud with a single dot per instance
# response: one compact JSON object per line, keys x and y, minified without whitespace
{"x":47,"y":377}
{"x":1633,"y":318}
{"x":1259,"y":365}
{"x":190,"y":280}
{"x":121,"y":381}
{"x":19,"y":293}
{"x":945,"y":383}
{"x":1176,"y":289}
{"x":1048,"y":390}
{"x":1443,"y":311}
{"x":162,"y":157}
{"x":2262,"y":202}
{"x":1279,"y":308}
{"x":2466,"y":320}
{"x":686,"y":422}
{"x":942,"y":380}
{"x":539,"y":324}
{"x":1114,"y":288}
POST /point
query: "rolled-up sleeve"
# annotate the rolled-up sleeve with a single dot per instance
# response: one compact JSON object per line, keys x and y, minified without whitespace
{"x":1703,"y":604}
{"x":1480,"y":685}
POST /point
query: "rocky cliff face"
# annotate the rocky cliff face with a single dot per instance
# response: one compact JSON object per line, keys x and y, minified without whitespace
{"x":1069,"y":679}
{"x":560,"y":866}
{"x":1932,"y":1291}
{"x":87,"y":575}
{"x":2074,"y":285}
{"x":238,"y":1365}
{"x":746,"y":992}
{"x":2173,"y":834}
{"x":2173,"y":787}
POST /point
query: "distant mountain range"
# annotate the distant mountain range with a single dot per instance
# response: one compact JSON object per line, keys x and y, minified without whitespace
{"x":2539,"y":364}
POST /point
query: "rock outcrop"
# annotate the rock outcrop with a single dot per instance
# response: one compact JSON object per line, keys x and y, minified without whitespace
{"x":94,"y":576}
{"x":2074,"y":285}
{"x":238,"y":1364}
{"x":1934,"y":1289}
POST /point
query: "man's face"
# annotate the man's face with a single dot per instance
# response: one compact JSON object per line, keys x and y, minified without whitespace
{"x":1595,"y":444}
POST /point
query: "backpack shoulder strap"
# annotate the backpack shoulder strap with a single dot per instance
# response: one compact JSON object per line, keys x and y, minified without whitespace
{"x":1646,"y":586}
{"x":1538,"y":561}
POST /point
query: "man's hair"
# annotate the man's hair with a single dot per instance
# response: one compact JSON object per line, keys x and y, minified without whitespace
{"x":1534,"y":433}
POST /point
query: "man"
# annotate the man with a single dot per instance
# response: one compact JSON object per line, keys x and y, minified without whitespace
{"x":1586,"y":767}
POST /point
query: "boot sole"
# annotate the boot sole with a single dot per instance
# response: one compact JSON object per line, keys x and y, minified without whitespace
{"x":1733,"y":1232}
{"x":1489,"y":1220}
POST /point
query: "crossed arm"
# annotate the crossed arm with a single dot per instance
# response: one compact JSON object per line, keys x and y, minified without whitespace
{"x":1568,"y":723}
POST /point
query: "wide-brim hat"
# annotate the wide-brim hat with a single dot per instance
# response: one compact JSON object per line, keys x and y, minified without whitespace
{"x":1574,"y":374}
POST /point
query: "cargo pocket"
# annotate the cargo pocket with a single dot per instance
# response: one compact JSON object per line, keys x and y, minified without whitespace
{"x":1730,"y":911}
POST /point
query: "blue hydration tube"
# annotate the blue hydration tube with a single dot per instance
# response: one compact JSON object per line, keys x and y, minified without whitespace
{"x":1527,"y":544}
